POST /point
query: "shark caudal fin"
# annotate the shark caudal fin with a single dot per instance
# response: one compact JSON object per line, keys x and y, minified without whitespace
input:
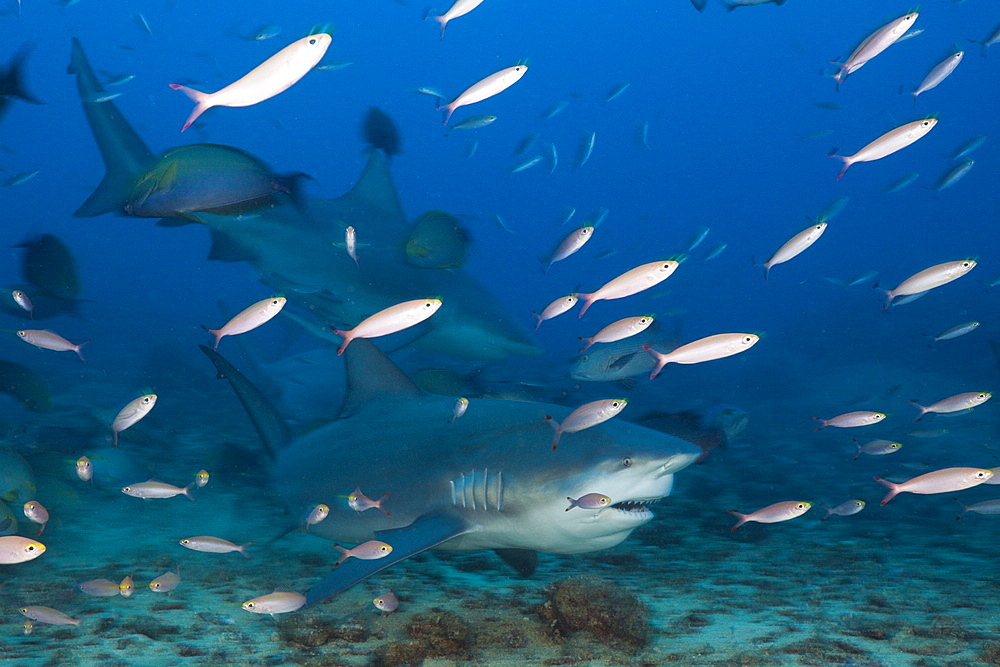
{"x":126,"y":156}
{"x":12,"y":81}
{"x":426,"y":532}
{"x":271,"y":428}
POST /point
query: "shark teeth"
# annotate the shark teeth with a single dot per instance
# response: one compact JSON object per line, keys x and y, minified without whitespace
{"x":637,"y":505}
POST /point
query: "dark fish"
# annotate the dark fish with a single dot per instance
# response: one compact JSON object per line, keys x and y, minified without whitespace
{"x":437,"y":241}
{"x":379,"y":130}
{"x":48,"y":264}
{"x":26,"y":385}
{"x":12,"y":81}
{"x":708,"y":429}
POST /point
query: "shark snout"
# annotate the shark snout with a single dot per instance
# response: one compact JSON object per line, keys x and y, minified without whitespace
{"x":679,"y":461}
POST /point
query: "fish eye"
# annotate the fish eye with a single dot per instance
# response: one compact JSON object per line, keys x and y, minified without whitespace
{"x":248,"y":605}
{"x":312,"y":41}
{"x":627,"y":462}
{"x":21,"y":334}
{"x":30,"y":547}
{"x":801,"y":506}
{"x":747,"y":339}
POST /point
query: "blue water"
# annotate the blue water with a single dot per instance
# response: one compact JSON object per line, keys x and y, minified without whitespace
{"x":727,"y":98}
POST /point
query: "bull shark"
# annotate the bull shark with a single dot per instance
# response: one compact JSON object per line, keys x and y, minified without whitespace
{"x":293,"y":241}
{"x":488,"y":480}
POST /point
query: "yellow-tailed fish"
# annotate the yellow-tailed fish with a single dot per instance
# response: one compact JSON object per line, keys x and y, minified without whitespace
{"x":17,"y":549}
{"x":279,"y":602}
{"x":783,"y":511}
{"x":794,"y":246}
{"x":629,"y":283}
{"x":956,"y":403}
{"x":47,"y":340}
{"x":461,"y":405}
{"x":249,"y":319}
{"x":851,"y":419}
{"x":561,"y":305}
{"x":214,"y":545}
{"x":153,"y":489}
{"x":877,"y":448}
{"x":486,"y":88}
{"x":629,"y":326}
{"x":874,"y":44}
{"x":928,"y":279}
{"x":101,"y":588}
{"x":888,"y":143}
{"x":940,"y":72}
{"x":35,"y":512}
{"x":703,"y":349}
{"x":390,"y":320}
{"x":458,"y":8}
{"x":135,"y":410}
{"x":947,"y":480}
{"x":585,"y":416}
{"x":273,"y":76}
{"x":569,"y":245}
{"x":370,"y":550}
{"x":48,"y":615}
{"x":22,"y":300}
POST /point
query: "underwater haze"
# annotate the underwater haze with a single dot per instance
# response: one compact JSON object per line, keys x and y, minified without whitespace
{"x":403,"y":449}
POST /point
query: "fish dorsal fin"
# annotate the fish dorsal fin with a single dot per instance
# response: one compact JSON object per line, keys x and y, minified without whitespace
{"x":126,"y":156}
{"x":372,"y":378}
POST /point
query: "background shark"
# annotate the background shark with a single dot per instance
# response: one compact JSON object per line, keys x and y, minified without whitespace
{"x":292,"y":241}
{"x":486,"y":481}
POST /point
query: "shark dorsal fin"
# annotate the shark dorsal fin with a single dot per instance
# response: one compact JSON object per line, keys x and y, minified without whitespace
{"x":372,"y":377}
{"x":375,"y":186}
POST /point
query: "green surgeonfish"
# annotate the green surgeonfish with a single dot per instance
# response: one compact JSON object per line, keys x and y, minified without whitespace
{"x":17,"y":481}
{"x":437,"y":241}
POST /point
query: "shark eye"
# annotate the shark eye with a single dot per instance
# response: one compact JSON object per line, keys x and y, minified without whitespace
{"x":626,"y":462}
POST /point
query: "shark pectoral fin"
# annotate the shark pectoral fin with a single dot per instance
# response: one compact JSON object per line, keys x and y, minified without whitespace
{"x":426,"y":532}
{"x":524,"y":561}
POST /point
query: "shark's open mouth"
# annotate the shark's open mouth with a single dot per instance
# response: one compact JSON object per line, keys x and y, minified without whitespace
{"x":639,"y":505}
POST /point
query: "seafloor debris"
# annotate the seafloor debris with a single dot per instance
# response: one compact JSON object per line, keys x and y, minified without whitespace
{"x":612,"y":614}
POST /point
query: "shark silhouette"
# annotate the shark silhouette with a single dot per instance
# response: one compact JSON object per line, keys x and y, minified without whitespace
{"x":292,"y":240}
{"x":489,"y":480}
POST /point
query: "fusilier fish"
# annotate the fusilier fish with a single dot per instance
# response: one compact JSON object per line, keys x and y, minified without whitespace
{"x":201,"y":479}
{"x":48,"y":615}
{"x":794,"y":246}
{"x":616,"y":91}
{"x":386,"y":603}
{"x":273,"y":76}
{"x":965,"y":149}
{"x":586,"y":148}
{"x":629,"y":283}
{"x":851,"y":419}
{"x":35,"y":512}
{"x":486,"y":88}
{"x":956,"y":403}
{"x":629,"y":326}
{"x":954,"y":332}
{"x":703,"y":349}
{"x":783,"y":511}
{"x":947,"y":480}
{"x":833,"y":209}
{"x":166,"y":582}
{"x":877,"y":448}
{"x":901,"y":183}
{"x":390,"y":320}
{"x":569,"y":245}
{"x":154,"y":489}
{"x":940,"y":72}
{"x":850,"y":508}
{"x":874,"y":44}
{"x":984,"y":507}
{"x":17,"y":549}
{"x":214,"y":545}
{"x":370,"y":550}
{"x":888,"y":143}
{"x":316,"y":514}
{"x":101,"y":588}
{"x":359,"y":502}
{"x":47,"y":340}
{"x":590,"y":501}
{"x":954,"y":175}
{"x":556,"y":308}
{"x":928,"y":279}
{"x":585,"y":416}
{"x":458,"y":8}
{"x":461,"y":405}
{"x":84,"y":469}
{"x":249,"y":319}
{"x":472,"y":123}
{"x":22,"y":300}
{"x":279,"y":602}
{"x":526,"y":164}
{"x":129,"y":415}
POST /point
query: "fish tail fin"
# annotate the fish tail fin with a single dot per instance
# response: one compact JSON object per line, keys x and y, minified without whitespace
{"x":78,"y":352}
{"x":554,"y":424}
{"x":742,"y":519}
{"x":448,"y":110}
{"x":572,"y":503}
{"x":381,"y":500}
{"x":243,"y":551}
{"x":114,"y":444}
{"x":540,"y":320}
{"x":846,"y":159}
{"x":200,"y":99}
{"x":819,"y":419}
{"x":187,"y":492}
{"x":923,"y":410}
{"x":590,"y":341}
{"x":444,"y":23}
{"x":588,"y":300}
{"x":893,"y":489}
{"x":915,"y":94}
